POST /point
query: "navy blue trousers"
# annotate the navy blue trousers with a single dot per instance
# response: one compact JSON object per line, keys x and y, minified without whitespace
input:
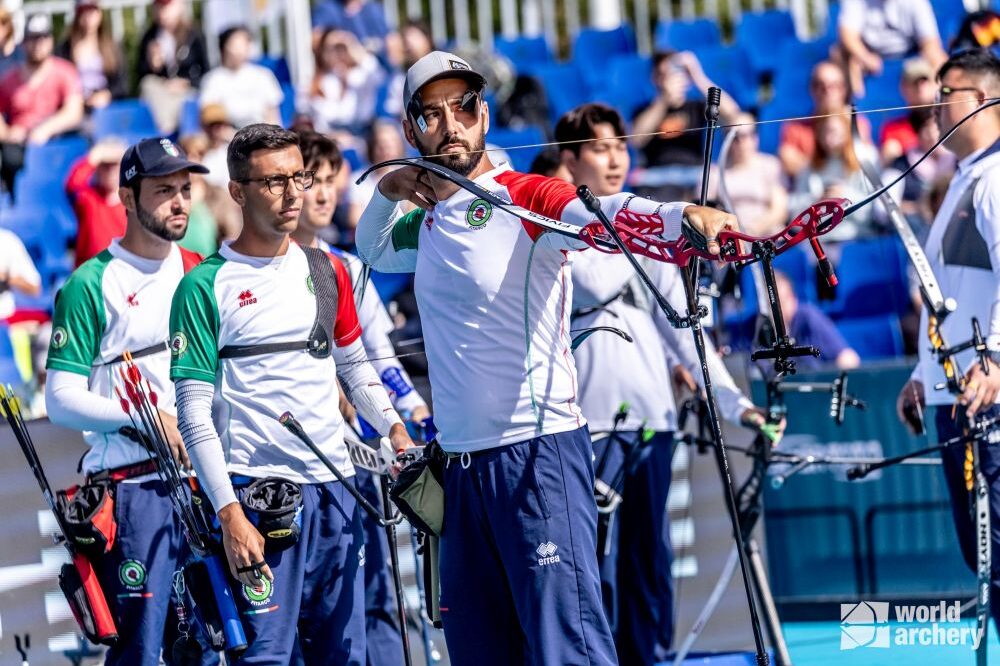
{"x":953,"y":464}
{"x":636,"y":555}
{"x":519,"y":579}
{"x":317,"y":596}
{"x":137,"y":576}
{"x":385,"y":645}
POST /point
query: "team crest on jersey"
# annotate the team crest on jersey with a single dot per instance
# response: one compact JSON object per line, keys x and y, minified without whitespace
{"x":479,"y":213}
{"x":246,"y":297}
{"x":260,"y":597}
{"x":178,"y":344}
{"x":59,"y":337}
{"x":132,"y":574}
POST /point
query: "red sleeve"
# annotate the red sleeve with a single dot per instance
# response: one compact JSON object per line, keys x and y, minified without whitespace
{"x":79,"y":177}
{"x":346,"y":329}
{"x":540,"y":194}
{"x":190,"y":259}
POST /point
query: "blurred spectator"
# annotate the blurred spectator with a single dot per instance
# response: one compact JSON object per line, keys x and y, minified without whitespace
{"x":911,"y":192}
{"x":808,"y":325}
{"x":219,"y":131}
{"x":92,"y":188}
{"x":38,"y":99}
{"x":662,"y":127}
{"x":383,"y":142}
{"x":98,"y":60}
{"x":203,"y":231}
{"x":10,"y":53}
{"x":753,"y":182}
{"x":834,"y":172}
{"x":344,"y":89}
{"x":917,"y":87}
{"x":172,"y":60}
{"x":363,"y":19}
{"x":17,"y":272}
{"x":875,"y":30}
{"x":248,"y":92}
{"x":415,"y":41}
{"x":548,"y":163}
{"x":828,"y":89}
{"x":979,"y":29}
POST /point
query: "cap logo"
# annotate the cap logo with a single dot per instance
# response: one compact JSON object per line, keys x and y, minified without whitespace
{"x":169,"y":148}
{"x":455,"y":64}
{"x":422,"y":124}
{"x":130,"y":174}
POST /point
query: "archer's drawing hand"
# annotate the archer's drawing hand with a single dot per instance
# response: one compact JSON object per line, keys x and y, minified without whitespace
{"x":409,"y":184}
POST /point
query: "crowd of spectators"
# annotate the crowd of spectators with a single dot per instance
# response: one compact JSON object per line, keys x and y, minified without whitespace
{"x":52,"y":92}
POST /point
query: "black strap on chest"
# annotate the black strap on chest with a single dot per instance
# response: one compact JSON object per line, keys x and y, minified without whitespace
{"x":626,"y":295}
{"x":962,"y":244}
{"x":323,"y":281}
{"x":146,"y":351}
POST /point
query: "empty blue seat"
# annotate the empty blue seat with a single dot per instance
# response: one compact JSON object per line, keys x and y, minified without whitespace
{"x":875,"y":337}
{"x":687,"y":35}
{"x":278,"y":66}
{"x":873,"y":280}
{"x":769,"y":133}
{"x":127,"y":117}
{"x":763,"y":34}
{"x":54,"y":159}
{"x":525,"y":53}
{"x":564,"y":87}
{"x":9,"y":374}
{"x":628,"y":86}
{"x":594,"y":49}
{"x":509,"y":139}
{"x":729,"y":68}
{"x":190,"y":122}
{"x":287,"y":109}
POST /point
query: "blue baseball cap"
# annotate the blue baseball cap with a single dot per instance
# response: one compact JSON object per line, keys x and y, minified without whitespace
{"x":155,"y":157}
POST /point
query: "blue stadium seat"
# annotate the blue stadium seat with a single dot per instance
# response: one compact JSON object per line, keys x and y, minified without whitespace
{"x":9,"y":374}
{"x":126,"y":117}
{"x":594,"y":49}
{"x":882,"y":92}
{"x":564,"y":87}
{"x":949,"y":15}
{"x":627,"y":85}
{"x":762,"y":34}
{"x":875,"y":337}
{"x":769,"y":133}
{"x":190,"y":122}
{"x":688,"y":35}
{"x":729,"y":67}
{"x":54,"y":159}
{"x":507,"y":138}
{"x":287,"y":109}
{"x":873,"y":280}
{"x":279,"y":66}
{"x":525,"y":53}
{"x":793,"y":81}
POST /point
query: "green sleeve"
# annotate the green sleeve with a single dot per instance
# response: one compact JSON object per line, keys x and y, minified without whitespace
{"x":79,"y":321}
{"x":407,"y":229}
{"x":194,"y":324}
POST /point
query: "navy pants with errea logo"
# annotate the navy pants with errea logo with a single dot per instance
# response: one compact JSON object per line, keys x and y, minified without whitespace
{"x":519,"y":580}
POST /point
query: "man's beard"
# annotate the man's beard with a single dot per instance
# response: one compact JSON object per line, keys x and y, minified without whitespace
{"x":157,"y":227}
{"x":462,"y":163}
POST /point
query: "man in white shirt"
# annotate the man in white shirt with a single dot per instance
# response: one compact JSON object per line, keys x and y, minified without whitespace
{"x":963,"y":249}
{"x":248,"y":92}
{"x":17,"y":272}
{"x":636,"y":555}
{"x":518,"y":551}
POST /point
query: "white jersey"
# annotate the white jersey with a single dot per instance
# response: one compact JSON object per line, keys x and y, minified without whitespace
{"x":113,"y":303}
{"x":233,"y":299}
{"x":494,"y":295}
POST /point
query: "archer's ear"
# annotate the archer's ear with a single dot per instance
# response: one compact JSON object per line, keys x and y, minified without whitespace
{"x":485,"y":111}
{"x":127,"y":197}
{"x":236,"y":192}
{"x":408,"y":133}
{"x":568,"y":160}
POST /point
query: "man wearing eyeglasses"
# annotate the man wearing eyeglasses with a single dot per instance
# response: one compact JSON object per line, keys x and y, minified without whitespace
{"x":244,"y":325}
{"x":963,"y":248}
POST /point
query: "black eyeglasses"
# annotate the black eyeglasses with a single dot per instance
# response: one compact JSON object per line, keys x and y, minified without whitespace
{"x":945,"y":91}
{"x":279,"y":184}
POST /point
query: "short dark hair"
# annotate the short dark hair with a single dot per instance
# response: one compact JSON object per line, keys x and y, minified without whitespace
{"x":660,"y":57}
{"x":317,"y":148}
{"x":579,"y":125}
{"x":250,"y":139}
{"x":546,"y":163}
{"x":228,"y":33}
{"x":978,"y":62}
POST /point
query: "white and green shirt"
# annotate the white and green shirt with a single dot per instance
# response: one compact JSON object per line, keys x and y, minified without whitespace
{"x":233,"y":299}
{"x":116,"y":302}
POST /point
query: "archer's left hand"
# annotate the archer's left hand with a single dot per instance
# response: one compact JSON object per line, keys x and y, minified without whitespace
{"x":710,"y":222}
{"x":756,"y":419}
{"x":980,"y":389}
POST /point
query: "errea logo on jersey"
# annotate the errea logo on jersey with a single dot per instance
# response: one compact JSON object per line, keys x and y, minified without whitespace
{"x":547,"y":553}
{"x":246,"y":297}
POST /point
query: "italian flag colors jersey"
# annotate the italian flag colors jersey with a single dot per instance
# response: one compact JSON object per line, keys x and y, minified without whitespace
{"x":233,"y":299}
{"x":116,"y":302}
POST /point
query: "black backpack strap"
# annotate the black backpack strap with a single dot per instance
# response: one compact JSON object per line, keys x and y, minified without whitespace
{"x":323,"y":284}
{"x":148,"y":351}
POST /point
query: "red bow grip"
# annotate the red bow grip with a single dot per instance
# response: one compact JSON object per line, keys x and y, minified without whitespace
{"x":825,"y":265}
